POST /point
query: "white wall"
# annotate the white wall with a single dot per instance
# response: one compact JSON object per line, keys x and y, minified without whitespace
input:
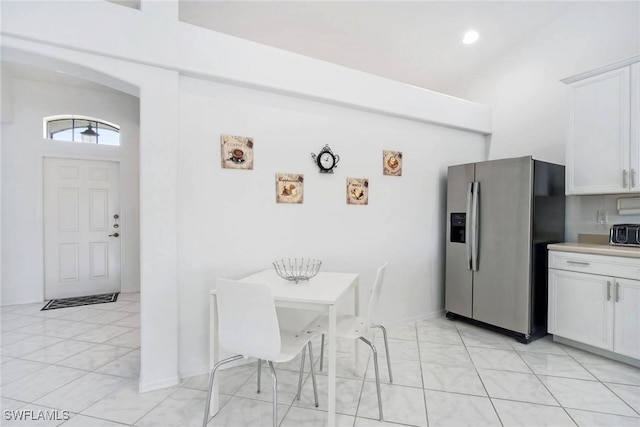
{"x":67,"y":35}
{"x":523,"y":86}
{"x":230,"y":224}
{"x":529,"y":110}
{"x":23,"y":150}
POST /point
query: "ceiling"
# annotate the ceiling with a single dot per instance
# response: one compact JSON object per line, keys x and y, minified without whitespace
{"x":416,"y":42}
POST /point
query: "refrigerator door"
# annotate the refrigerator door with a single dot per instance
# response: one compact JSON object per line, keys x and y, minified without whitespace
{"x":501,"y":284}
{"x":459,"y":277}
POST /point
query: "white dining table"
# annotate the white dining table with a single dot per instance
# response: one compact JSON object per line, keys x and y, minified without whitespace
{"x":321,"y":293}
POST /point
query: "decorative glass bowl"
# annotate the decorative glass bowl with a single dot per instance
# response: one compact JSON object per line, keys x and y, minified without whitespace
{"x":297,"y":270}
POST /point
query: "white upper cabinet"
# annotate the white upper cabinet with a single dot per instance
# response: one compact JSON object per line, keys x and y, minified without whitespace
{"x":603,"y":140}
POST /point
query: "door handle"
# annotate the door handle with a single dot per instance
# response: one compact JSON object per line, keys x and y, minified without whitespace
{"x":633,"y":178}
{"x":116,"y":234}
{"x":578,"y":263}
{"x":624,"y":178}
{"x":467,"y":226}
{"x":475,"y":226}
{"x":617,"y":291}
{"x":608,"y":290}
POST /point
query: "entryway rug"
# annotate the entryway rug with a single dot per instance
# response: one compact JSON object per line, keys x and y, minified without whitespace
{"x":78,"y":301}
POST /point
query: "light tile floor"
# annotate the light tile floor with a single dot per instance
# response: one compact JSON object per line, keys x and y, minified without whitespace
{"x":85,"y":360}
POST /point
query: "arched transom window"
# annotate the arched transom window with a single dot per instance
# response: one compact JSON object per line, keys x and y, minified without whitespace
{"x":74,"y":128}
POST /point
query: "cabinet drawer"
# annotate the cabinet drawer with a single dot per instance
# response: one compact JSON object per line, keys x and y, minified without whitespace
{"x":628,"y":268}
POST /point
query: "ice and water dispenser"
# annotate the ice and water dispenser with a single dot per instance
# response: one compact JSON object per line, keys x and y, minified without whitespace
{"x":458,"y":224}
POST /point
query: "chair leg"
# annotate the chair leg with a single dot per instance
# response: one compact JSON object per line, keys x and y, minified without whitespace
{"x":259,"y":374}
{"x":375,"y":366}
{"x":211,"y":376}
{"x":386,"y":349}
{"x":302,"y":356}
{"x":321,"y":352}
{"x":275,"y":394}
{"x":313,"y":374}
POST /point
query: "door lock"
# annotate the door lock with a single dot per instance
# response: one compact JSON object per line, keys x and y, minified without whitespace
{"x":114,"y":234}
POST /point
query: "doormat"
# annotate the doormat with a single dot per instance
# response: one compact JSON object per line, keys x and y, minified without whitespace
{"x":78,"y":301}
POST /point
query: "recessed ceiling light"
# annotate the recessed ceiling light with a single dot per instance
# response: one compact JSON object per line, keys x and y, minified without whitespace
{"x":470,"y":37}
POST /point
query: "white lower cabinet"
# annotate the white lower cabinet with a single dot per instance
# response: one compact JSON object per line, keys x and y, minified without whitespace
{"x":601,"y":310}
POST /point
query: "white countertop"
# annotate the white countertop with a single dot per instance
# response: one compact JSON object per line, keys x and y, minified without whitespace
{"x":589,"y":248}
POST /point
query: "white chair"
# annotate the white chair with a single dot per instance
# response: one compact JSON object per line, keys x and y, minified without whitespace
{"x":355,"y":327}
{"x":248,"y":325}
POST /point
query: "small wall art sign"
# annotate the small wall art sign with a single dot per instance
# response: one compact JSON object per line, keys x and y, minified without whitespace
{"x":357,"y":191}
{"x":392,"y":163}
{"x":289,"y":188}
{"x":236,"y":152}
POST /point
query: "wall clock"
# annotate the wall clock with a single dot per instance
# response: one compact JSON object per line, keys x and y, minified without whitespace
{"x":326,"y":159}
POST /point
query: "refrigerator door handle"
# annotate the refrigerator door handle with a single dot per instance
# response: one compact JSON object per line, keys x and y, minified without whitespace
{"x":467,"y":226}
{"x":475,"y":226}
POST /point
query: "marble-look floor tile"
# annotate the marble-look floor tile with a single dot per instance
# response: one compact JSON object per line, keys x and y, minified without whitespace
{"x":439,"y":335}
{"x":108,"y":317}
{"x":84,"y":421}
{"x":398,"y":349}
{"x":404,"y":372}
{"x":73,"y":329}
{"x":129,"y":339}
{"x":57,"y":352}
{"x":489,"y":358}
{"x":126,"y":405}
{"x":611,"y":371}
{"x":444,"y":354}
{"x":95,"y":357}
{"x":16,"y":369}
{"x":516,"y":386}
{"x":597,"y":419}
{"x":116,"y":305}
{"x":13,"y":337}
{"x":438,"y":322}
{"x":184,"y":408}
{"x":457,"y":410}
{"x":302,"y":417}
{"x":40,"y":383}
{"x":629,"y":393}
{"x":345,"y":363}
{"x":587,"y":395}
{"x":82,"y":393}
{"x":102,"y":333}
{"x":131,"y":321}
{"x":129,"y":296}
{"x":241,"y":412}
{"x":405,"y":331}
{"x":287,"y":386}
{"x":457,"y":379}
{"x":484,"y":338}
{"x":44,"y":326}
{"x":555,"y":365}
{"x":17,"y":324}
{"x":10,"y":404}
{"x":127,"y":366}
{"x":367,"y":422}
{"x":229,"y":380}
{"x":82,"y":314}
{"x":541,"y":345}
{"x":404,"y":405}
{"x":522,"y":414}
{"x":347,"y":395}
{"x":29,"y":345}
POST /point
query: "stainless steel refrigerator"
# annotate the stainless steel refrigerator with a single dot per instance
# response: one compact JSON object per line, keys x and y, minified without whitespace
{"x":501,"y":214}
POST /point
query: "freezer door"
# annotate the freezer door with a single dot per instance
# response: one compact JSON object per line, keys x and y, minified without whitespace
{"x":501,"y":285}
{"x":458,"y":279}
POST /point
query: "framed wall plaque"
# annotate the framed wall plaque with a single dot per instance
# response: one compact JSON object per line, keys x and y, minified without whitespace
{"x":236,"y":152}
{"x":357,"y":191}
{"x":289,"y":188}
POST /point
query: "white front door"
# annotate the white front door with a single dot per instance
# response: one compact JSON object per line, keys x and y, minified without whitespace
{"x":81,"y":227}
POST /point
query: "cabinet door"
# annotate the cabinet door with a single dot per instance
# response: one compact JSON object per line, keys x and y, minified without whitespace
{"x":598,"y":134}
{"x":635,"y":129}
{"x":626,"y":339}
{"x":581,"y":307}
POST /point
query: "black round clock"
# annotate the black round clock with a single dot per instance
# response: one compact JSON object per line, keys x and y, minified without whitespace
{"x":326,"y":159}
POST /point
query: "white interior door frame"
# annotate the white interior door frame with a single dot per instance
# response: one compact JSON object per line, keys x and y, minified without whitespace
{"x":82,"y":226}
